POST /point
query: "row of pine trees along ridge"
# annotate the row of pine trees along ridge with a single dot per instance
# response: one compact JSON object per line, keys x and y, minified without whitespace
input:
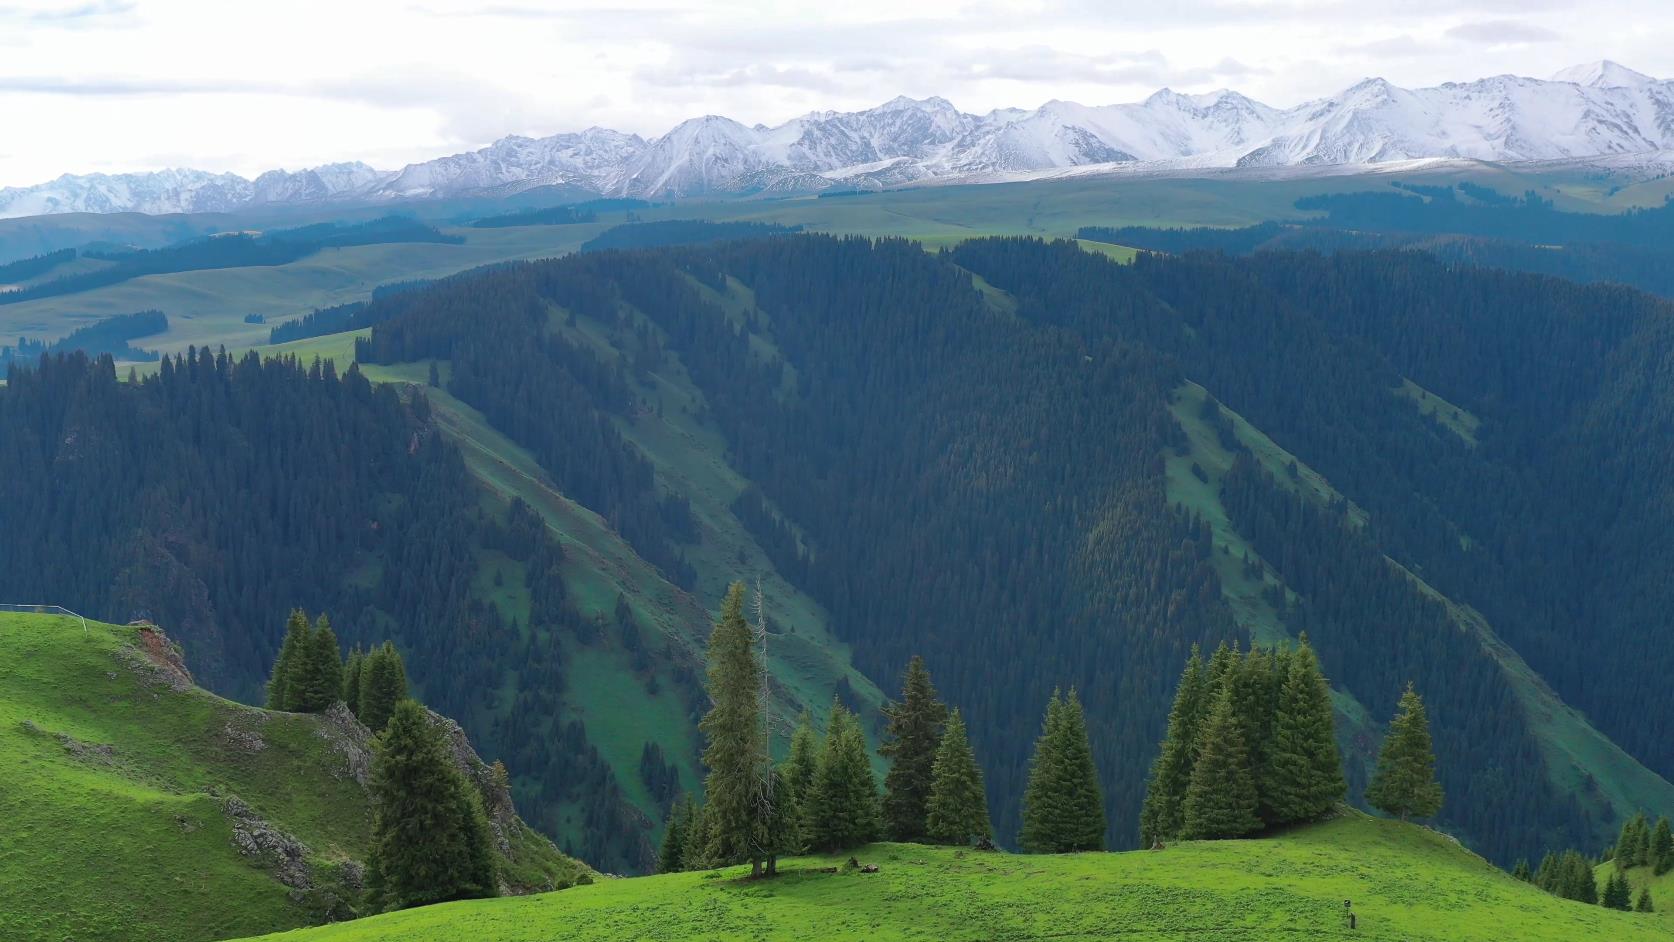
{"x":1251,"y":746}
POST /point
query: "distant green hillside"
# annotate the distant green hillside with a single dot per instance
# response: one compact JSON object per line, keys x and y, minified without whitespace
{"x":136,"y":806}
{"x":1405,"y":883}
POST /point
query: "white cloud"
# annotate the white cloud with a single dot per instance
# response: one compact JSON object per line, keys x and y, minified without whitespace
{"x":117,"y":85}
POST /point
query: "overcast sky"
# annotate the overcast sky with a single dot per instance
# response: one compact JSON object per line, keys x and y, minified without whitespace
{"x":118,"y":85}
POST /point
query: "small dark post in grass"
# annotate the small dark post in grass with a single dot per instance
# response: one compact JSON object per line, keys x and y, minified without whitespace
{"x":1348,"y":910}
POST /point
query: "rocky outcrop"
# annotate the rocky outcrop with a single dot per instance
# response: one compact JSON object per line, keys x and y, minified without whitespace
{"x":350,"y":739}
{"x":269,"y":847}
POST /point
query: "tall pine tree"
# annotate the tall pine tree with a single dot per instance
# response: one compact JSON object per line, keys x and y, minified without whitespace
{"x":1662,"y":847}
{"x":351,"y":679}
{"x":1405,"y":784}
{"x":1171,"y":774}
{"x":1304,"y":777}
{"x":430,"y":839}
{"x":911,"y":737}
{"x":317,"y":680}
{"x":736,"y":753}
{"x":1221,"y":801}
{"x":292,"y":652}
{"x":801,"y":765}
{"x":1063,"y":808}
{"x":958,"y":806}
{"x":383,"y":684}
{"x":843,"y":808}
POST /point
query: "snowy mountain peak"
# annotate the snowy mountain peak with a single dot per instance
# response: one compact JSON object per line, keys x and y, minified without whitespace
{"x":1598,"y":111}
{"x":1603,"y":74}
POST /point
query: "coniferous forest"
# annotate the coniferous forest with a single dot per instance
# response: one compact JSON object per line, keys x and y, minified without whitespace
{"x":974,"y":471}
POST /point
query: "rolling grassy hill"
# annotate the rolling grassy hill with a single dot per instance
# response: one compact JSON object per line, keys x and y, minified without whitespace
{"x":134,"y":805}
{"x":1406,"y":883}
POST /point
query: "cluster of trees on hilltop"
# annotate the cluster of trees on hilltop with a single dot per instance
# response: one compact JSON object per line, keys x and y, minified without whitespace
{"x":310,"y":674}
{"x":1251,"y":746}
{"x":823,"y":796}
{"x":1641,"y":846}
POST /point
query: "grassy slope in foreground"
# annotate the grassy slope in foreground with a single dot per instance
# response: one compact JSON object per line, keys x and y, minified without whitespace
{"x":115,"y":779}
{"x":1407,"y":883}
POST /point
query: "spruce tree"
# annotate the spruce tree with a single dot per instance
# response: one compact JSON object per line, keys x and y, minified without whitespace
{"x":843,"y":808}
{"x":1617,"y":894}
{"x":291,"y":654}
{"x":910,"y":741}
{"x":1643,"y":903}
{"x":351,"y":679}
{"x":1221,"y":800}
{"x":801,"y":765}
{"x":1576,"y":880}
{"x":383,"y":684}
{"x":1405,"y":783}
{"x":1255,"y":691}
{"x":958,"y":808}
{"x":671,"y":855}
{"x":1547,"y":875}
{"x":1521,"y":871}
{"x":1304,"y":776}
{"x":318,"y":679}
{"x":1662,"y":847}
{"x":1163,"y":814}
{"x":736,"y":753}
{"x":781,"y":830}
{"x":1063,"y":808}
{"x":430,"y":839}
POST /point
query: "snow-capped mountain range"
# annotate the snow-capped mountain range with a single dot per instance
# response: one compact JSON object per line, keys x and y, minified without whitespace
{"x":1598,"y":110}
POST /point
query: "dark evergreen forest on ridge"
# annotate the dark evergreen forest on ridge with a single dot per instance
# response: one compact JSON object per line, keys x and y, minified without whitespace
{"x":959,"y":455}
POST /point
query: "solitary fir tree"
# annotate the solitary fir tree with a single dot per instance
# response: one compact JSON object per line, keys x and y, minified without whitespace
{"x":1405,"y":784}
{"x":842,"y":809}
{"x":671,"y":855}
{"x":1662,"y":847}
{"x":736,"y":754}
{"x":958,"y":808}
{"x":1063,"y":808}
{"x":430,"y":839}
{"x":292,"y":652}
{"x":1617,"y":894}
{"x":1304,"y":775}
{"x":1221,"y":801}
{"x":911,"y":737}
{"x":1521,"y":871}
{"x":1171,"y":774}
{"x":1643,"y":903}
{"x":383,"y":684}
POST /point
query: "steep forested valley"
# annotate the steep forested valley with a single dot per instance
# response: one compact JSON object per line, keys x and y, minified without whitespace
{"x":1034,"y":467}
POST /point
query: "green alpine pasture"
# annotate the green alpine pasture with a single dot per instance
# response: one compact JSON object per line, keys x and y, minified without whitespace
{"x":1405,"y":883}
{"x":117,"y":781}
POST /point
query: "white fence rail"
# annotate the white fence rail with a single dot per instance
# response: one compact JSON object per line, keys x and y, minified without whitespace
{"x":44,"y":610}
